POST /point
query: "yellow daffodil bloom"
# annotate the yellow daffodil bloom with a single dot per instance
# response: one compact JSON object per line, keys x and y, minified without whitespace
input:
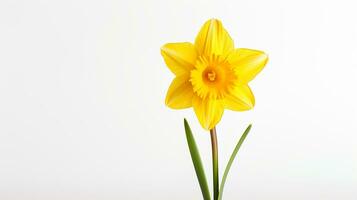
{"x":211,"y":74}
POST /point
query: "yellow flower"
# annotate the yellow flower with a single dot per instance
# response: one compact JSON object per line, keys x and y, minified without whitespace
{"x":211,"y":74}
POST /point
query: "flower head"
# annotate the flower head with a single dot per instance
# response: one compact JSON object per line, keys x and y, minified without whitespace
{"x":211,"y":74}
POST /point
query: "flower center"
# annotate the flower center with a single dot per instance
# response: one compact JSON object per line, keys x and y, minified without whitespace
{"x":212,"y":77}
{"x":210,"y":74}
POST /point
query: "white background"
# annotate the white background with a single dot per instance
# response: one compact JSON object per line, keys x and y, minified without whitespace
{"x":82,"y":88}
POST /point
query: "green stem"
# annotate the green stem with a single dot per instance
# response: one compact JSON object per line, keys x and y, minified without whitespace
{"x":214,"y":144}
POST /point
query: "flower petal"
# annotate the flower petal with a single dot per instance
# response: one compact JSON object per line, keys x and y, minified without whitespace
{"x":213,"y":39}
{"x":179,"y":57}
{"x":209,"y":111}
{"x":247,"y":63}
{"x":240,"y":99}
{"x":180,"y":93}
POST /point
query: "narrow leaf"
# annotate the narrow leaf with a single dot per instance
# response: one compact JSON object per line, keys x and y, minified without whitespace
{"x":197,"y":163}
{"x":231,"y":159}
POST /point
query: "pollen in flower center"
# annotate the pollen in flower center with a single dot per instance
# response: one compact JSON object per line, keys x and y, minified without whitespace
{"x":211,"y":75}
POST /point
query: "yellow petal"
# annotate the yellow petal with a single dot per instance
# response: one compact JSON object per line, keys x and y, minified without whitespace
{"x":180,"y":93}
{"x":247,"y":63}
{"x":241,"y":98}
{"x":209,"y":111}
{"x":213,"y":39}
{"x":179,"y":57}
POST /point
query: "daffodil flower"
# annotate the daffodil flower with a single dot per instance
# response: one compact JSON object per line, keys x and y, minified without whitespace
{"x":211,"y":74}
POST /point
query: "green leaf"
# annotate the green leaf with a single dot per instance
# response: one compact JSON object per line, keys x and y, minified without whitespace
{"x":197,"y":163}
{"x":231,"y":159}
